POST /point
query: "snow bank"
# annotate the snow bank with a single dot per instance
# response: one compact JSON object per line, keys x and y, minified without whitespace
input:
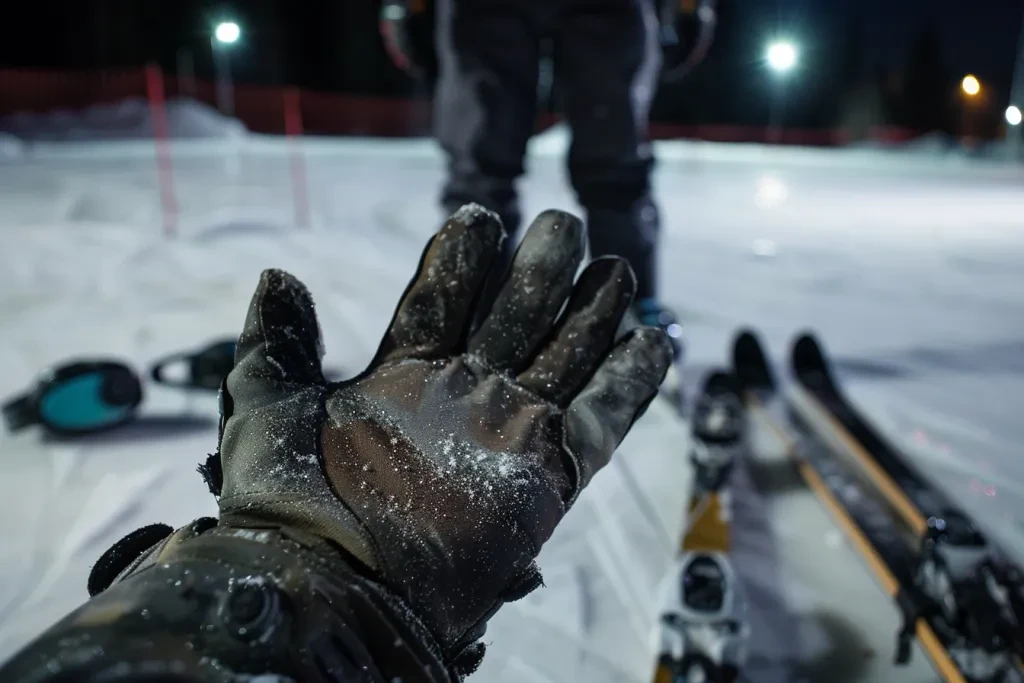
{"x":921,"y":152}
{"x":10,"y":147}
{"x":130,"y":119}
{"x":940,"y":145}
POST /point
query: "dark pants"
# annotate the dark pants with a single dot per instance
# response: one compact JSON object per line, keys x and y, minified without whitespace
{"x":606,"y":60}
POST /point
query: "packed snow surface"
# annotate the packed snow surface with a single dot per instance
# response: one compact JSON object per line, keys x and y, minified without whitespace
{"x":911,"y":268}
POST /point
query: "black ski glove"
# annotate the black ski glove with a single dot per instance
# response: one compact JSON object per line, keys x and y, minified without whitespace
{"x":369,"y":528}
{"x":445,"y":466}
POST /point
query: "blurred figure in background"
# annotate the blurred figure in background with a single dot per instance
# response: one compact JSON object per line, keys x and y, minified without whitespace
{"x":606,"y":57}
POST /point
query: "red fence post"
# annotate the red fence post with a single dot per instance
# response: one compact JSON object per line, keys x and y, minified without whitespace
{"x":165,"y":169}
{"x":293,"y":129}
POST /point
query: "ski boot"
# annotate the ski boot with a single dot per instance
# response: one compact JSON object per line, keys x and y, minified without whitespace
{"x":650,"y":312}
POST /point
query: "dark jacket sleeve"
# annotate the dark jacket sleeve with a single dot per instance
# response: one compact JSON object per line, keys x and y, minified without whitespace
{"x":234,"y":605}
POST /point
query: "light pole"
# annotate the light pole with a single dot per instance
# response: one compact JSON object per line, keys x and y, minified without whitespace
{"x":1017,"y":101}
{"x":225,"y":35}
{"x":970,"y":88}
{"x":781,"y":57}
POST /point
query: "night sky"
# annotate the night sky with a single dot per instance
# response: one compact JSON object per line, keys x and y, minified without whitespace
{"x":333,"y":44}
{"x":979,"y":36}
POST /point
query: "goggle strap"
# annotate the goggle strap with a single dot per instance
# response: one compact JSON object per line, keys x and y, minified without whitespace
{"x":20,"y":412}
{"x":157,"y":372}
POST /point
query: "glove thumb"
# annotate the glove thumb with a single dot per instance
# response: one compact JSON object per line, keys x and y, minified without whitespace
{"x":280,"y":347}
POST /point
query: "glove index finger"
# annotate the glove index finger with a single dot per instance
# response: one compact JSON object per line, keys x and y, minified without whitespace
{"x":600,"y":416}
{"x":433,"y":316}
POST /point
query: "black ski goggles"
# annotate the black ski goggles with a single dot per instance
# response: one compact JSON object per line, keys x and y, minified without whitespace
{"x":84,"y":397}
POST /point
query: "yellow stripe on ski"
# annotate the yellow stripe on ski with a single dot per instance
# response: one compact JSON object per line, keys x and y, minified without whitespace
{"x":879,"y":478}
{"x":707,"y":525}
{"x":926,"y":638}
{"x":663,"y":674}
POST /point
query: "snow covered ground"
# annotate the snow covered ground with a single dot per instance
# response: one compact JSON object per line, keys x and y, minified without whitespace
{"x":911,"y":268}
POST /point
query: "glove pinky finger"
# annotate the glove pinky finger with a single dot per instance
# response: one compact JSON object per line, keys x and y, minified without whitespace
{"x":600,"y":416}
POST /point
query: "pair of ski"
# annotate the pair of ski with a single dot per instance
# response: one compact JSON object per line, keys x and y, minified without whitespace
{"x":957,"y":593}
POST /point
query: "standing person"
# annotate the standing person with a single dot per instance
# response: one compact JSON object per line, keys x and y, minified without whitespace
{"x":606,"y":57}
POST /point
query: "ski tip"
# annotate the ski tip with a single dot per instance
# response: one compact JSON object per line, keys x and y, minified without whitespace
{"x":809,"y":360}
{"x":750,"y":363}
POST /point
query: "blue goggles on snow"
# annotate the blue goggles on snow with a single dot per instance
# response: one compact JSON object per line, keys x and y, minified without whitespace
{"x":89,"y":396}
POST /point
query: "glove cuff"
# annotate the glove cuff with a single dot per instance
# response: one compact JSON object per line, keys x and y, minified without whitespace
{"x":226,"y":603}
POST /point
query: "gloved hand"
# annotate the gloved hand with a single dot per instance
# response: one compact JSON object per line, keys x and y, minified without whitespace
{"x":445,"y":465}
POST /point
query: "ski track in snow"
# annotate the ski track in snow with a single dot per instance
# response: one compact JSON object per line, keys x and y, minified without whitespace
{"x":916,"y":265}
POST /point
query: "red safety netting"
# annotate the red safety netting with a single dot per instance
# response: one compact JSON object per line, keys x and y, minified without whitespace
{"x":262,"y":108}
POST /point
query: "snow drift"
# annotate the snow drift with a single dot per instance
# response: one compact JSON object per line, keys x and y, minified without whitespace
{"x":127,"y":120}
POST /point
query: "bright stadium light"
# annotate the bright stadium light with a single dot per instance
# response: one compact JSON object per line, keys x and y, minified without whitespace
{"x":781,"y":56}
{"x":1013,"y":115}
{"x":970,"y":85}
{"x":227,"y":32}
